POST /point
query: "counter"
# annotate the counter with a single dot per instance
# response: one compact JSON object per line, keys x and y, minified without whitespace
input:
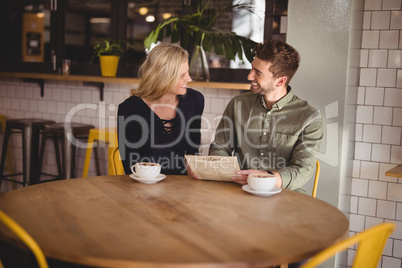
{"x":122,"y":80}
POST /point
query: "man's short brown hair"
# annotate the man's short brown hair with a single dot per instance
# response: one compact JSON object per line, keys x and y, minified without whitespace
{"x":283,"y":57}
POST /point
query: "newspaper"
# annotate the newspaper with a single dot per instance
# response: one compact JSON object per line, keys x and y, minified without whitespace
{"x":215,"y":168}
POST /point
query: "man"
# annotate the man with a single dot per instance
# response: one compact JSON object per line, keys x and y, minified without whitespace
{"x":270,"y":129}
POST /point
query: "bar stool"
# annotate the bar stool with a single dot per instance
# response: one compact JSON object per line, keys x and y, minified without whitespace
{"x":30,"y":129}
{"x":69,"y":135}
{"x":9,"y":162}
{"x":108,"y":135}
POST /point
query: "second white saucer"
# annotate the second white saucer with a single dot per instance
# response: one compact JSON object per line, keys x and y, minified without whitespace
{"x":248,"y":189}
{"x":148,"y":180}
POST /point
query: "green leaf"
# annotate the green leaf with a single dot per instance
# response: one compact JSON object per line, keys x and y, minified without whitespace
{"x":161,"y":34}
{"x":218,"y":45}
{"x":151,"y":38}
{"x":108,"y":47}
{"x":229,"y":53}
{"x":168,"y":30}
{"x":207,"y":43}
{"x":248,"y":46}
{"x":186,"y":40}
{"x":196,"y":27}
{"x":237,"y":46}
{"x":198,"y":36}
{"x":154,"y":36}
{"x":175,"y":37}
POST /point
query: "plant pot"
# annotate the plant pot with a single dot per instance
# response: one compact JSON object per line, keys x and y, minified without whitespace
{"x":199,"y":70}
{"x":109,"y":65}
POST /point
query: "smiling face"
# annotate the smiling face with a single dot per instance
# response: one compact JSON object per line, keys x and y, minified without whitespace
{"x":262,"y":80}
{"x":181,"y":87}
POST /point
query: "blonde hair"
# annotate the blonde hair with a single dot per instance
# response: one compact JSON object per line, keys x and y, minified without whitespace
{"x":160,"y":71}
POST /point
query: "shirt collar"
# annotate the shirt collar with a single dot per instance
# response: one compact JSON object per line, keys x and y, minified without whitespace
{"x":280,"y":103}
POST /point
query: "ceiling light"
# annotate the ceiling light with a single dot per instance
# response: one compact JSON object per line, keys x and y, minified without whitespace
{"x":143,"y":11}
{"x":150,"y":18}
{"x":165,"y":16}
{"x":99,"y":20}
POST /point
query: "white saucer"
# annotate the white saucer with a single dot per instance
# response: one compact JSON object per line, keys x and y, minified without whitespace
{"x":248,"y":189}
{"x":148,"y":180}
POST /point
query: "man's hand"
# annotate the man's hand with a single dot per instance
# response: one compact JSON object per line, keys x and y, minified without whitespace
{"x":241,"y":177}
{"x":191,"y":173}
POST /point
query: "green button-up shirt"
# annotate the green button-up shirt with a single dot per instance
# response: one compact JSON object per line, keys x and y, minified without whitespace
{"x":283,"y":139}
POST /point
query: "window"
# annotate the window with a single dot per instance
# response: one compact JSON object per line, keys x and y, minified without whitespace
{"x":38,"y":34}
{"x":85,"y":23}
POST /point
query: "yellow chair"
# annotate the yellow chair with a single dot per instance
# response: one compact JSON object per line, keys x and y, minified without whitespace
{"x":108,"y":135}
{"x":317,"y":176}
{"x":371,"y":243}
{"x":117,"y":165}
{"x":26,"y":238}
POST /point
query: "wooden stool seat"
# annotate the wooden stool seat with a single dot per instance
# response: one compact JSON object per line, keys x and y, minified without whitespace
{"x":107,"y":135}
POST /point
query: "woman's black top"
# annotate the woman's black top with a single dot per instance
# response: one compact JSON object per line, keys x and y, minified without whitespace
{"x":144,"y":137}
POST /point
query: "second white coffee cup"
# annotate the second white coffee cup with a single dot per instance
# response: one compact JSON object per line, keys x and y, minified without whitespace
{"x":146,"y":170}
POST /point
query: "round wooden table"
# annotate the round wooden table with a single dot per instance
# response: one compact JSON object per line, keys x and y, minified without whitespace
{"x":114,"y":221}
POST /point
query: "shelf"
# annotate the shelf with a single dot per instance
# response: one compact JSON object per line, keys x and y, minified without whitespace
{"x":395,"y":172}
{"x":121,"y":80}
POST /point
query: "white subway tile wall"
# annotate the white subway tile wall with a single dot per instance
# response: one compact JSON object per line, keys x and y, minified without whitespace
{"x":376,"y":198}
{"x":22,"y":100}
{"x":372,"y":5}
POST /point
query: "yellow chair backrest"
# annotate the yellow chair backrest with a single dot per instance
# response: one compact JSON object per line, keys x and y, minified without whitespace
{"x":371,"y":243}
{"x":26,"y":238}
{"x":317,"y":176}
{"x":117,"y":165}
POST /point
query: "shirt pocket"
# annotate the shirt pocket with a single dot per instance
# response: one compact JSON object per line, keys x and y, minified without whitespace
{"x":284,"y":144}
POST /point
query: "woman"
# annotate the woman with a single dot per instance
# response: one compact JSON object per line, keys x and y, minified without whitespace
{"x":161,"y":121}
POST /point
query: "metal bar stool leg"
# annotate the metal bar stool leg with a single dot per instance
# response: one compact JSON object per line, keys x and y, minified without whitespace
{"x":65,"y":136}
{"x":68,"y":154}
{"x":96,"y":155}
{"x":42,"y":150}
{"x":26,"y":161}
{"x":57,"y":152}
{"x":35,"y":141}
{"x":31,"y":129}
{"x":49,"y":134}
{"x":4,"y":153}
{"x":9,"y":161}
{"x":72,"y":169}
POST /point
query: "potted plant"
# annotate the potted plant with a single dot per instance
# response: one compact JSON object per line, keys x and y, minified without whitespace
{"x":109,"y":52}
{"x":197,"y":28}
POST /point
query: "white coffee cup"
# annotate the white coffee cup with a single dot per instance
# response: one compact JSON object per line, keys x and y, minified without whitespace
{"x":146,"y":170}
{"x":261,"y":182}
